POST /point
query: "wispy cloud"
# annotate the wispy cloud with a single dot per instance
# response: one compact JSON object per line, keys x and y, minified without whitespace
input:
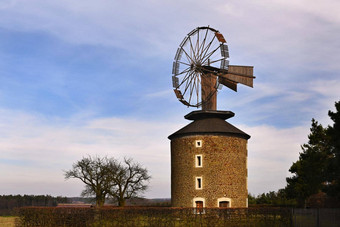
{"x":34,"y":151}
{"x":151,"y":27}
{"x":34,"y":148}
{"x":271,"y":152}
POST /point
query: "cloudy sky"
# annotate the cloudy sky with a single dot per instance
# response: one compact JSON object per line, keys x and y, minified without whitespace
{"x":88,"y":77}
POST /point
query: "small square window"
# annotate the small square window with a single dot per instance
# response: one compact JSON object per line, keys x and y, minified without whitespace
{"x":198,"y":143}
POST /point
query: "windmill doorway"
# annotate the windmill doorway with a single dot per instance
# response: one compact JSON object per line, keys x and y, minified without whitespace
{"x":199,"y":207}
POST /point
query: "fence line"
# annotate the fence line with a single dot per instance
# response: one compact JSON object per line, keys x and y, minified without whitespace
{"x":315,"y":217}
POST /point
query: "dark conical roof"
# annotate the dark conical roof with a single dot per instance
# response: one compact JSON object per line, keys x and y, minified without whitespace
{"x":209,"y":122}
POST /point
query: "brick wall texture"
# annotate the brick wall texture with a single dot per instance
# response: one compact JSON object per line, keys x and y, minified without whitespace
{"x":224,"y":171}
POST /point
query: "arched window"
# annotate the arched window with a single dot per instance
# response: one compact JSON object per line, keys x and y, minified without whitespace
{"x":224,"y":202}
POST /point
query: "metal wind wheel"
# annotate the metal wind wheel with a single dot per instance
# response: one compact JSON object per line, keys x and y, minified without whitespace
{"x":201,"y":66}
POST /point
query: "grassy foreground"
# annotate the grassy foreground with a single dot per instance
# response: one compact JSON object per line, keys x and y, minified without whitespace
{"x":7,"y":221}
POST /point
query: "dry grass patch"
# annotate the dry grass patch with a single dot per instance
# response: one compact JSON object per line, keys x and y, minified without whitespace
{"x":7,"y":221}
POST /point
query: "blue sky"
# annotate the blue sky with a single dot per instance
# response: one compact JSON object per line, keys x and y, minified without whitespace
{"x":94,"y":78}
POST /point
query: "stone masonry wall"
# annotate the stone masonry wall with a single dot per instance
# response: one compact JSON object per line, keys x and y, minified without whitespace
{"x":224,"y":170}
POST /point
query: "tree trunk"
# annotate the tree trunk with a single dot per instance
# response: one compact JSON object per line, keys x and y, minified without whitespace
{"x":100,"y":201}
{"x":121,"y":202}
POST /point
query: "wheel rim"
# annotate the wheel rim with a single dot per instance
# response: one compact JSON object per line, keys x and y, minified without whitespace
{"x":203,"y":46}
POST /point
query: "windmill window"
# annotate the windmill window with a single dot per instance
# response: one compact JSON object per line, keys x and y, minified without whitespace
{"x":199,"y":183}
{"x":223,"y":202}
{"x":199,"y":205}
{"x":198,"y":160}
{"x":198,"y":143}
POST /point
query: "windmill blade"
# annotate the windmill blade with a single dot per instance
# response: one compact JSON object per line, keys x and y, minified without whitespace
{"x":178,"y":94}
{"x":175,"y":81}
{"x":175,"y":67}
{"x":220,"y":37}
{"x":184,"y":102}
{"x":224,"y":50}
{"x":224,"y":64}
{"x":228,"y":83}
{"x":241,"y":70}
{"x":245,"y":80}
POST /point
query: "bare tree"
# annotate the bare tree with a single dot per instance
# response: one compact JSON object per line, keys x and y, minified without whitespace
{"x":106,"y":176}
{"x":130,"y":180}
{"x":94,"y":173}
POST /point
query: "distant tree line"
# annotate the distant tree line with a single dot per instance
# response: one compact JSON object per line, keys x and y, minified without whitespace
{"x":9,"y":202}
{"x":272,"y":198}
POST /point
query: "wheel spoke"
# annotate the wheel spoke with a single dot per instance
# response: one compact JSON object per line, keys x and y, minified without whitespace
{"x":203,"y":43}
{"x":188,"y":56}
{"x":185,"y":78}
{"x":197,"y":44}
{"x":187,"y":84}
{"x":184,"y":71}
{"x":208,"y":56}
{"x":192,"y":51}
{"x":207,"y":48}
{"x":191,"y":88}
{"x":184,"y":63}
{"x":217,"y":60}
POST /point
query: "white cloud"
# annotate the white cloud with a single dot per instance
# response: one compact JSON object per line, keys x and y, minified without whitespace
{"x":271,"y":152}
{"x":165,"y":93}
{"x":156,"y":28}
{"x":326,"y":88}
{"x":327,"y":93}
{"x":34,"y":151}
{"x":326,"y":10}
{"x":125,"y":25}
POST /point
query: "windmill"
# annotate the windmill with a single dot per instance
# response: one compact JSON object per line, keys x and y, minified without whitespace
{"x":209,"y":155}
{"x":201,"y":67}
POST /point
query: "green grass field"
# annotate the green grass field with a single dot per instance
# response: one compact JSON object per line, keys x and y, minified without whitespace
{"x":7,"y":221}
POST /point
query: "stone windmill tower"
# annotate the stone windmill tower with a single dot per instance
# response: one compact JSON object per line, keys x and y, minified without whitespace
{"x":209,"y":155}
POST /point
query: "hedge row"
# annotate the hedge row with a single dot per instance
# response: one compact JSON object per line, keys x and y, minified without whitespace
{"x":53,"y":216}
{"x":151,"y":216}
